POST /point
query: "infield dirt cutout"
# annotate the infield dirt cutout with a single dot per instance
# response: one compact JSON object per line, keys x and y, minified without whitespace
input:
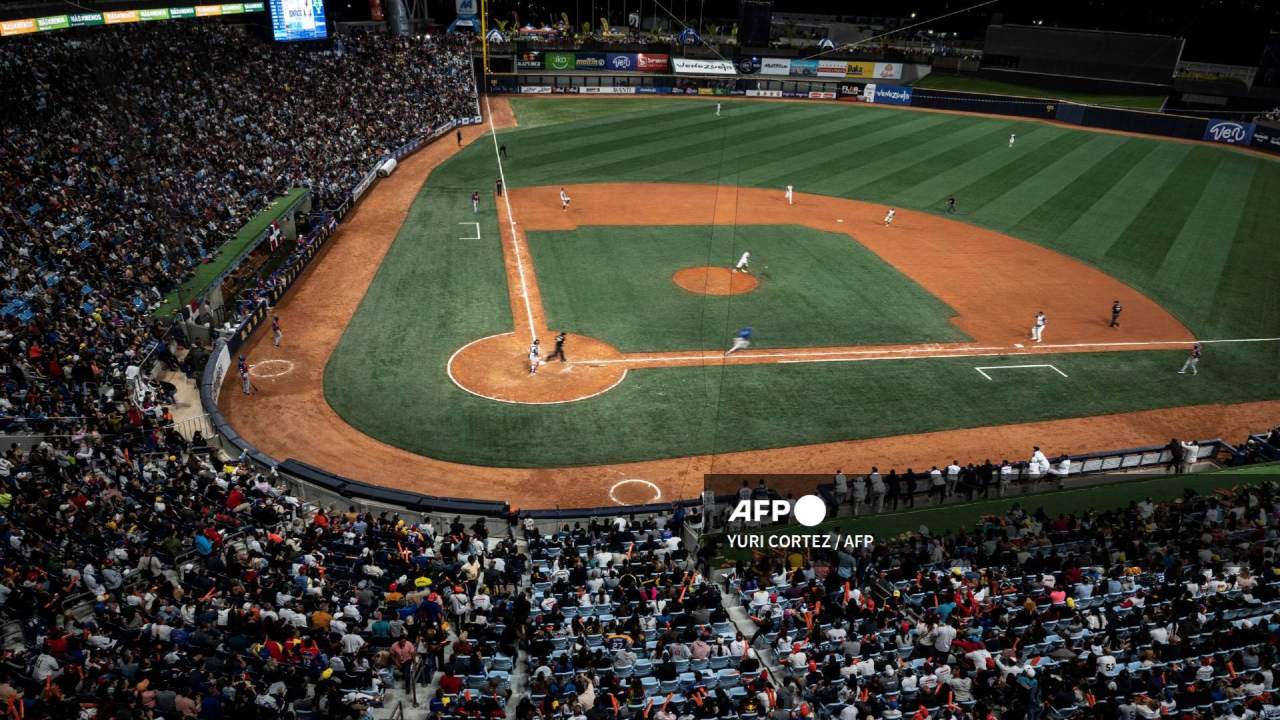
{"x":994,"y":282}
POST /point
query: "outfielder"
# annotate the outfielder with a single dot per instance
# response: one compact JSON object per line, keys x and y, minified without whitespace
{"x":741,"y":341}
{"x":717,"y":109}
{"x":475,"y":201}
{"x":276,"y":333}
{"x":888,"y":217}
{"x":533,"y":358}
{"x":1012,"y":137}
{"x":1037,"y":329}
{"x":243,"y":368}
{"x":790,"y":196}
{"x":1193,"y":361}
{"x":564,"y":199}
{"x":743,"y":262}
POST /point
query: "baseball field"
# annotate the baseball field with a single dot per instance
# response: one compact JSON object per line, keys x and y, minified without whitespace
{"x":406,"y":354}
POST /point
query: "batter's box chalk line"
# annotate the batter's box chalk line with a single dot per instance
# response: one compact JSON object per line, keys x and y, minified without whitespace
{"x":657,"y":491}
{"x":1013,"y":367}
{"x":256,"y":369}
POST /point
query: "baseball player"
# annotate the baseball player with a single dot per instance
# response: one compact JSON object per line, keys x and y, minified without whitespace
{"x":243,"y":368}
{"x":717,"y":109}
{"x":888,"y":217}
{"x":1037,"y":329}
{"x":951,"y":204}
{"x":559,"y":349}
{"x":533,"y":358}
{"x":497,"y":186}
{"x":1012,"y":137}
{"x":741,"y":341}
{"x":743,"y":262}
{"x":475,"y":201}
{"x":1115,"y":313}
{"x":1193,"y":361}
{"x":564,"y":199}
{"x":790,"y":196}
{"x":276,"y":333}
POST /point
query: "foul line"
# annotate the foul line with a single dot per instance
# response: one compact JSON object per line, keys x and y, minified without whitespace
{"x":923,"y":352}
{"x":1011,"y":367}
{"x":506,"y":198}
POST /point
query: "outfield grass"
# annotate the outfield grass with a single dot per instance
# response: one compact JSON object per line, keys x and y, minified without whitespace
{"x":614,"y":283}
{"x":531,"y":113}
{"x":1191,"y":226}
{"x":949,"y":518}
{"x":964,"y":83}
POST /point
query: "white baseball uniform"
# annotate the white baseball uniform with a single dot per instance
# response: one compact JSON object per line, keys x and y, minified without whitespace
{"x":790,"y":198}
{"x":717,"y":109}
{"x":1012,"y":137}
{"x":1038,"y":328}
{"x":533,"y":359}
{"x":743,"y":262}
{"x":564,"y":200}
{"x":888,"y":218}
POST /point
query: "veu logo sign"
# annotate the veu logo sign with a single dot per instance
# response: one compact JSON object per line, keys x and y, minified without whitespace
{"x":809,"y":510}
{"x":1228,"y":132}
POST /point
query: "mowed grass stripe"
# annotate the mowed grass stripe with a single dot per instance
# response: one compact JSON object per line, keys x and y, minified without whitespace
{"x":1246,"y":300}
{"x":1029,"y":194}
{"x":1145,"y":242}
{"x":1093,"y":232}
{"x":840,"y":129}
{"x":986,"y":189}
{"x":1191,"y":260}
{"x":911,"y":176}
{"x":1054,"y":215}
{"x":535,"y":112}
{"x":807,"y":169}
{"x":551,"y":137}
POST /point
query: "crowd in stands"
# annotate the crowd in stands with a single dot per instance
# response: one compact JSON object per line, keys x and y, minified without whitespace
{"x":129,"y":155}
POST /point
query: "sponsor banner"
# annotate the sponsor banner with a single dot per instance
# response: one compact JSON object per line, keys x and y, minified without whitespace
{"x":220,"y":366}
{"x":625,"y":62}
{"x":591,"y":61}
{"x":535,"y":89}
{"x":649,"y":62}
{"x":116,"y":17}
{"x":607,"y":90}
{"x":53,"y":22}
{"x":832,"y":68}
{"x":1229,"y":131}
{"x":208,"y":10}
{"x":764,"y":93}
{"x":149,"y":14}
{"x":703,"y":67}
{"x":531,"y":60}
{"x":232,"y":8}
{"x":891,"y":94}
{"x":790,"y":94}
{"x":254,"y":7}
{"x":815,"y":95}
{"x":558,"y":60}
{"x":889,"y":71}
{"x":775,"y":66}
{"x":806,"y":68}
{"x":738,"y":92}
{"x":654,"y":90}
{"x":1266,"y":138}
{"x":87,"y":19}
{"x":706,"y":91}
{"x":17,"y":27}
{"x":748,"y":65}
{"x":186,"y":12}
{"x":850,"y":90}
{"x":860,"y":69}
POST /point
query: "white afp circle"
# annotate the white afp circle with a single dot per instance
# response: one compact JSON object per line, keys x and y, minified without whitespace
{"x":809,"y":510}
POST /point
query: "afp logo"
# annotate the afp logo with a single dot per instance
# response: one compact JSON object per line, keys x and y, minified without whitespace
{"x":809,"y":510}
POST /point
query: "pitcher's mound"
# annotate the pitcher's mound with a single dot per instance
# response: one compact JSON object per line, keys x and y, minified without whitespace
{"x":714,"y":281}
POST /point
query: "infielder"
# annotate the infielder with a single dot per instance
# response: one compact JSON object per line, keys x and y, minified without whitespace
{"x":475,"y":201}
{"x":533,"y":358}
{"x":1012,"y":137}
{"x":1115,"y":313}
{"x":1037,"y":329}
{"x":743,"y":262}
{"x":276,"y":333}
{"x":564,"y":199}
{"x":243,"y":368}
{"x":741,"y":341}
{"x":790,"y":196}
{"x":888,"y":217}
{"x":1193,"y":361}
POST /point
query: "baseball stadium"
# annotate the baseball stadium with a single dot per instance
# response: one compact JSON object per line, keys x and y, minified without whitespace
{"x":752,"y":361}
